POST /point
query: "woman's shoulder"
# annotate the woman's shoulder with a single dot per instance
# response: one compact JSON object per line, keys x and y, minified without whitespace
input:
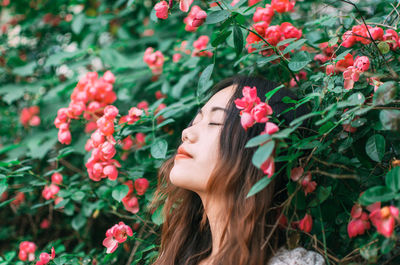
{"x":297,"y":256}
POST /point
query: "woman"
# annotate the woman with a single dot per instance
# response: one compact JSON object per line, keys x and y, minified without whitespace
{"x":207,"y":217}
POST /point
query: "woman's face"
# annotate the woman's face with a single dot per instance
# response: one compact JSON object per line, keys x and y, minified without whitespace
{"x":201,"y":141}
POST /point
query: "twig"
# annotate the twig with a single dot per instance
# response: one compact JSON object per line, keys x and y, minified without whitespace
{"x":336,"y":176}
{"x":332,"y":164}
{"x":134,"y":218}
{"x":72,"y":167}
{"x":135,"y":247}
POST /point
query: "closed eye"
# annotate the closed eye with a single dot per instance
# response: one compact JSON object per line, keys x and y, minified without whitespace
{"x":212,"y":123}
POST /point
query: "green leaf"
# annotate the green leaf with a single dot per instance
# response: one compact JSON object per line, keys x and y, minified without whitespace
{"x":217,"y":16}
{"x":285,"y":41}
{"x":299,"y":61}
{"x":356,"y":99}
{"x":260,"y":185}
{"x":377,"y":194}
{"x":157,"y":216}
{"x":25,"y":70}
{"x":61,"y":203}
{"x":120,"y":192}
{"x":159,"y":149}
{"x":375,"y":147}
{"x":262,"y":61}
{"x":78,"y":196}
{"x":221,"y":37}
{"x":342,"y":55}
{"x":263,"y":153}
{"x":293,"y":46}
{"x":333,"y":41}
{"x":385,"y":93}
{"x":78,"y":23}
{"x":183,"y":81}
{"x":204,"y":78}
{"x":392,"y":179}
{"x":257,"y":140}
{"x":390,"y":119}
{"x":322,"y":194}
{"x":3,"y":186}
{"x":78,"y":221}
{"x":238,"y":39}
{"x":270,"y":93}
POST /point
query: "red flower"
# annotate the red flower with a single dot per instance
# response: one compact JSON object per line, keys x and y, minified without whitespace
{"x":306,"y":223}
{"x":384,"y":219}
{"x":282,"y":6}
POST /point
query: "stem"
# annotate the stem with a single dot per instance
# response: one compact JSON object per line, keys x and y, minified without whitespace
{"x":323,"y":233}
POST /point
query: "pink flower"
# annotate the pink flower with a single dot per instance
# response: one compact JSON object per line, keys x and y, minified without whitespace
{"x":56,"y":178}
{"x":161,"y":9}
{"x":306,"y":223}
{"x":270,"y":128}
{"x":264,"y":14}
{"x":176,"y":57}
{"x":49,"y":192}
{"x":348,"y":39}
{"x":308,"y":185}
{"x":141,"y":185}
{"x":359,"y":223}
{"x":109,"y":77}
{"x":45,"y":258}
{"x":261,"y":111}
{"x":201,"y":44}
{"x":392,"y":38}
{"x":134,"y":115}
{"x":199,"y":19}
{"x":384,"y":219}
{"x":268,"y":167}
{"x":45,"y":224}
{"x":130,"y":201}
{"x":296,"y":173}
{"x":185,"y":4}
{"x":273,"y":35}
{"x":246,"y":120}
{"x":248,"y":100}
{"x":282,"y":6}
{"x":362,"y":63}
{"x":27,"y":251}
{"x":350,"y":76}
{"x":290,"y":31}
{"x":116,"y":234}
{"x":155,"y":60}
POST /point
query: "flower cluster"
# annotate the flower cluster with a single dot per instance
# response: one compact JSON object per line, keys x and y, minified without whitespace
{"x":201,"y":44}
{"x":89,"y":97}
{"x":49,"y":192}
{"x":327,"y":52}
{"x":27,"y":251}
{"x":359,"y":33}
{"x":253,"y":111}
{"x":272,"y":34}
{"x":154,"y":59}
{"x":45,"y":258}
{"x":359,"y":222}
{"x":382,"y":218}
{"x":163,"y":7}
{"x":29,"y":116}
{"x":306,"y":183}
{"x":116,"y":234}
{"x":102,"y":143}
{"x":352,"y":73}
{"x":130,"y":201}
{"x":195,"y":18}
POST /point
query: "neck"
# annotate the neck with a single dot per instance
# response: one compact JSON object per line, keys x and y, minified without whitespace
{"x":215,"y":210}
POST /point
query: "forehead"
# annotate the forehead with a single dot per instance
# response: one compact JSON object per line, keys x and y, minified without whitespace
{"x":219,"y":99}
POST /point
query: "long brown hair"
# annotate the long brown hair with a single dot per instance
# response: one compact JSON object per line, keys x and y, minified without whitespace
{"x":186,"y":235}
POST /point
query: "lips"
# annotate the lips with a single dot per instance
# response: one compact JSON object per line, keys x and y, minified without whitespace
{"x":182,"y":153}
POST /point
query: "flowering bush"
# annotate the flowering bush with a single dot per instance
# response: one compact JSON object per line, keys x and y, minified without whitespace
{"x":94,"y":96}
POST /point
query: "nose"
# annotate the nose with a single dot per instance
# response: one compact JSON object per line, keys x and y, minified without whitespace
{"x":188,"y":134}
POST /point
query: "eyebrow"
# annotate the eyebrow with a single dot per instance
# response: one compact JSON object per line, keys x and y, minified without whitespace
{"x":214,"y":109}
